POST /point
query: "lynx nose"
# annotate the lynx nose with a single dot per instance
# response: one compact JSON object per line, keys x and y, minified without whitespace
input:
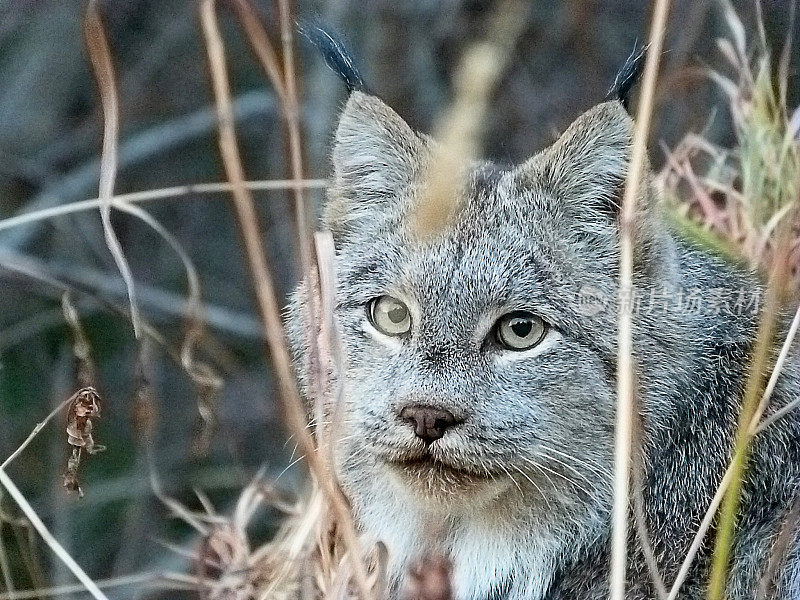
{"x":429,"y":423}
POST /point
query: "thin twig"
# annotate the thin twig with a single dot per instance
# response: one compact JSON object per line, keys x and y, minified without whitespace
{"x":100,"y":57}
{"x":35,"y":432}
{"x":157,"y":194}
{"x":135,"y":150}
{"x":48,"y":538}
{"x":625,"y":380}
{"x":778,"y":414}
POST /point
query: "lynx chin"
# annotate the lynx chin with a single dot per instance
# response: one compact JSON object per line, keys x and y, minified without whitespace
{"x":480,"y":393}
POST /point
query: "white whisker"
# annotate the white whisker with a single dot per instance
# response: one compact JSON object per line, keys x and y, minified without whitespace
{"x":521,"y":472}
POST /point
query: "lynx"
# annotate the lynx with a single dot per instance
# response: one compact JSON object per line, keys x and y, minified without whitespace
{"x":479,"y":409}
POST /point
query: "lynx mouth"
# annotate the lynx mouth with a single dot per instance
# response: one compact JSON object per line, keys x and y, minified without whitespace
{"x":426,"y":466}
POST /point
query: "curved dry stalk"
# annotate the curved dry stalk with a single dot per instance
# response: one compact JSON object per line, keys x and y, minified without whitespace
{"x":194,"y":302}
{"x":625,"y":380}
{"x":100,"y":58}
{"x":171,"y":193}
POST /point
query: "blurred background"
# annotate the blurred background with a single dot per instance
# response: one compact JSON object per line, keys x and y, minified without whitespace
{"x":192,"y":436}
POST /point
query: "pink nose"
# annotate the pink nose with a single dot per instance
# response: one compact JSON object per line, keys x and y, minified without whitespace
{"x":429,"y":423}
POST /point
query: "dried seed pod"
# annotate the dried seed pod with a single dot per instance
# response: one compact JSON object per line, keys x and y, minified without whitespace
{"x":84,"y":406}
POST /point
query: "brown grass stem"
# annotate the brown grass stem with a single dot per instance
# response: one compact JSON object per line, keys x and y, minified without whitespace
{"x":269,"y":309}
{"x":625,"y":366}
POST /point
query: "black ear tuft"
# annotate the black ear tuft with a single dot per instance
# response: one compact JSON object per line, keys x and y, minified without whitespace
{"x":628,"y":76}
{"x":336,"y":56}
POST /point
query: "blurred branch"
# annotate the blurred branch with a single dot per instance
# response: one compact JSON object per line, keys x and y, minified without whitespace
{"x":459,"y":130}
{"x":137,"y":149}
{"x":155,"y":299}
{"x":33,"y":270}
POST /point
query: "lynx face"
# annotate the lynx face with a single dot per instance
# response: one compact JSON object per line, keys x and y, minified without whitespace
{"x":472,"y":373}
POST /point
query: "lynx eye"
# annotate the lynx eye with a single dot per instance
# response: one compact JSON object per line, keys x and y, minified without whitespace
{"x":519,"y":330}
{"x":389,"y":315}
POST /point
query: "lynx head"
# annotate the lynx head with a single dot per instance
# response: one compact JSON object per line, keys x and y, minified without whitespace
{"x":474,"y":371}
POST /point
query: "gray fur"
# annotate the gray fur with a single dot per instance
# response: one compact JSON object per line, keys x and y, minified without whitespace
{"x":526,"y":513}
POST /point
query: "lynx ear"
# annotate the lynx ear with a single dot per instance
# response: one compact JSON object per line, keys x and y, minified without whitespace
{"x":589,"y":162}
{"x":375,"y":153}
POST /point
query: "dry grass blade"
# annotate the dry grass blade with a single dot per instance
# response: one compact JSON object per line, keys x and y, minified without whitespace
{"x":284,"y":82}
{"x":459,"y":130}
{"x":48,"y":538}
{"x":625,"y":378}
{"x":100,"y":57}
{"x":754,"y":183}
{"x":116,"y":582}
{"x":753,"y":403}
{"x":755,"y":426}
{"x":267,"y":302}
